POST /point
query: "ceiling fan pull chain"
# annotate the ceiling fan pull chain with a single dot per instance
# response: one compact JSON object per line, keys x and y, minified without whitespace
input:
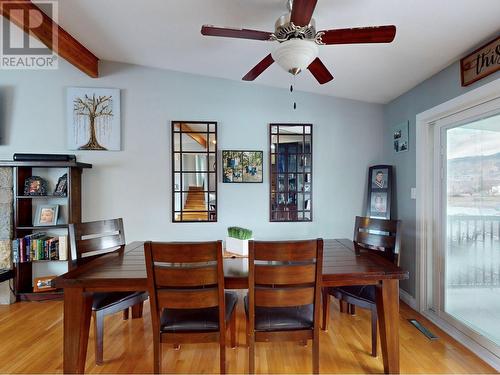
{"x":293,"y":95}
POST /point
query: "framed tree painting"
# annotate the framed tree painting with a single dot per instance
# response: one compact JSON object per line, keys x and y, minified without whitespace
{"x":93,"y":116}
{"x":242,"y":166}
{"x":378,"y":203}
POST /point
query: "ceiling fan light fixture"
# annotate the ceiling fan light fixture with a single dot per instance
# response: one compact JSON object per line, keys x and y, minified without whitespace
{"x":295,"y":55}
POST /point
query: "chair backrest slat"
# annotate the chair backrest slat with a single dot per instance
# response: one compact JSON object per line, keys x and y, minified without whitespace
{"x":185,"y":277}
{"x":379,"y":236}
{"x":286,"y":274}
{"x":284,"y":297}
{"x":285,"y":251}
{"x":191,"y":252}
{"x":100,"y":237}
{"x":100,"y":226}
{"x":383,"y":225}
{"x":111,"y":242}
{"x":188,"y":298}
{"x":376,"y":240}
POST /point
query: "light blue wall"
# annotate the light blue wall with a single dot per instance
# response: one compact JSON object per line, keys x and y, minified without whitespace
{"x":438,"y":89}
{"x":136,"y":183}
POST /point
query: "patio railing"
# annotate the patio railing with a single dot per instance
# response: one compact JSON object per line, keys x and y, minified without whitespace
{"x":473,"y":258}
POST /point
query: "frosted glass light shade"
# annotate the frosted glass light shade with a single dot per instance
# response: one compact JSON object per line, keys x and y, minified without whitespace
{"x":295,"y":55}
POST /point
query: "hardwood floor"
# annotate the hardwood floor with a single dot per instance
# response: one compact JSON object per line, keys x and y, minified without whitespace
{"x":31,"y":342}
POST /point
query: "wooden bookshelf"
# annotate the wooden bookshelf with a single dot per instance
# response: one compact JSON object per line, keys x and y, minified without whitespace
{"x":23,"y":215}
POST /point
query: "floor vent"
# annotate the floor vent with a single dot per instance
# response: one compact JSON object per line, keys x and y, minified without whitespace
{"x":425,"y":331}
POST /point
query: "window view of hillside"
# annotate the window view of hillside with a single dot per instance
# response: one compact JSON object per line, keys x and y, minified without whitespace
{"x":472,"y":290}
{"x":474,"y":168}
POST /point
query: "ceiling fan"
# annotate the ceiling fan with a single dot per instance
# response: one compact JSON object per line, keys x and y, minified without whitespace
{"x":299,"y":41}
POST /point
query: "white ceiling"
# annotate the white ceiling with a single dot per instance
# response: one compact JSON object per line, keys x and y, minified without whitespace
{"x":431,"y":34}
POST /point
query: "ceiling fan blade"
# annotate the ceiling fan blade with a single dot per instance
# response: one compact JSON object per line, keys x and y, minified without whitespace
{"x":377,"y":34}
{"x":319,"y":71}
{"x":302,"y":11}
{"x":235,"y":33}
{"x":259,"y":68}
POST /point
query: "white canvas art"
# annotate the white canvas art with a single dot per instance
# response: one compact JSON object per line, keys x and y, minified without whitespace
{"x":93,"y":119}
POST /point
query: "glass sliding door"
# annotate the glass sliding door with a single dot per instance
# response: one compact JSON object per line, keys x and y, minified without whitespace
{"x":471,"y":244}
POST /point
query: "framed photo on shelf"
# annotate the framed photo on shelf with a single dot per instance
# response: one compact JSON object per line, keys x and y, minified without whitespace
{"x":35,"y":185}
{"x":46,"y":215}
{"x":378,"y":203}
{"x":242,"y":166}
{"x":61,"y":189}
{"x":43,"y":284}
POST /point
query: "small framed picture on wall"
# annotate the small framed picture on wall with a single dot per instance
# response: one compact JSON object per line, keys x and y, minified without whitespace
{"x":378,"y":203}
{"x":242,"y":166}
{"x":400,"y":137}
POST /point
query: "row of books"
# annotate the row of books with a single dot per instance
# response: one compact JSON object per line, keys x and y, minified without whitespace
{"x":39,"y":246}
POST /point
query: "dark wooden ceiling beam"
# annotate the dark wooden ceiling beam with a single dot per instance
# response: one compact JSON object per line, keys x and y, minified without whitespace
{"x":67,"y":47}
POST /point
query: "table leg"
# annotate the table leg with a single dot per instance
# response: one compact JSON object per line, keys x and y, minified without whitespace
{"x":77,"y":313}
{"x":388,"y":315}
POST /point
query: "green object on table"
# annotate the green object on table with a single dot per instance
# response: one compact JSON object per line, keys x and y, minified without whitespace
{"x":239,"y":233}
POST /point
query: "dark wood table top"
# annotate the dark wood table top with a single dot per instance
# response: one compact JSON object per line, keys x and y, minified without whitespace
{"x":127,"y":271}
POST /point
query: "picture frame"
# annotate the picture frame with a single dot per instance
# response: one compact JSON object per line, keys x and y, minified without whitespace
{"x":242,"y":166}
{"x":43,"y":284}
{"x":61,"y":189}
{"x":379,"y":192}
{"x":46,"y":215}
{"x":400,"y":137}
{"x":378,"y":204}
{"x":35,"y":186}
{"x":93,"y":119}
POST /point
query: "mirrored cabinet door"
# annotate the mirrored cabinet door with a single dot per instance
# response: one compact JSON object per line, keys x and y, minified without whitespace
{"x":291,"y":172}
{"x":194,"y":171}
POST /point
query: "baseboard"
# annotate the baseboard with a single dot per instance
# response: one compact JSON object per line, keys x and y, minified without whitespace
{"x":483,"y":353}
{"x":408,"y":299}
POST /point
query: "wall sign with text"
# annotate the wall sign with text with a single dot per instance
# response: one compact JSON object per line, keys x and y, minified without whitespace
{"x":481,"y":63}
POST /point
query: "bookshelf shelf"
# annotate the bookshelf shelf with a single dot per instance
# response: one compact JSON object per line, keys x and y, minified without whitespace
{"x":44,"y":227}
{"x":24,"y":208}
{"x":41,"y":197}
{"x":40,"y":296}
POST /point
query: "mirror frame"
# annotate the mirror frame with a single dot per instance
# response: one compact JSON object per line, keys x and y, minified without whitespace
{"x":212,"y":215}
{"x":291,"y":216}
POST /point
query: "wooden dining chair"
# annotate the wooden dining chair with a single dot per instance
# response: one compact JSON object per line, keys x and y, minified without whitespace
{"x":283,"y":299}
{"x":91,"y":240}
{"x":381,"y":237}
{"x":188,"y":302}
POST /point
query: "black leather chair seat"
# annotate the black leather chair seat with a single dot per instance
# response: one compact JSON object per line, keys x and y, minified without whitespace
{"x":282,"y":318}
{"x":187,"y":320}
{"x":102,"y":300}
{"x":365,"y":292}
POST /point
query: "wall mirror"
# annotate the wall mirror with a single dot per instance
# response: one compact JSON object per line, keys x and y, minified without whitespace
{"x":194,"y":166}
{"x":291,"y":172}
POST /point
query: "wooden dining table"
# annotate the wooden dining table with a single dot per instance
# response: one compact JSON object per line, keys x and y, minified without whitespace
{"x":125,"y":270}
